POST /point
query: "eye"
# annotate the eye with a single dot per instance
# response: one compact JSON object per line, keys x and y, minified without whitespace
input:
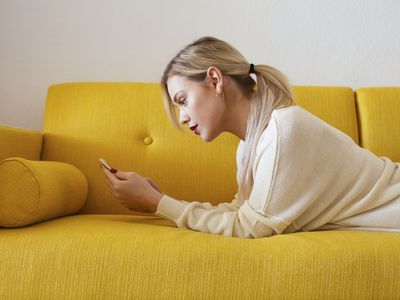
{"x":182,"y":101}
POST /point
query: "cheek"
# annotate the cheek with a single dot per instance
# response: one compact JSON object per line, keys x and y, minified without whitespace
{"x":210,"y":124}
{"x":195,"y":111}
{"x":202,"y":115}
{"x":203,"y":109}
{"x":203,"y":112}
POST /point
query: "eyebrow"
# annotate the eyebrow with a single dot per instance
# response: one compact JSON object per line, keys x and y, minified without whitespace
{"x":174,"y":99}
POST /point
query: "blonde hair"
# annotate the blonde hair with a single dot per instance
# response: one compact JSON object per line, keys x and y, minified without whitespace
{"x":270,"y":91}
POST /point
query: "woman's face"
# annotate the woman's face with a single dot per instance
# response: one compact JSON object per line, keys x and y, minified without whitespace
{"x":198,"y":103}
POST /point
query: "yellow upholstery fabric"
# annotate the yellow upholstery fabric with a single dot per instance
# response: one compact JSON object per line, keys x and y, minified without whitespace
{"x":379,"y":120}
{"x":108,"y":252}
{"x":35,"y":191}
{"x":137,"y":257}
{"x":20,"y":142}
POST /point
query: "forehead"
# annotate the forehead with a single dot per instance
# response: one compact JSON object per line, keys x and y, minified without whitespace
{"x":176,"y":83}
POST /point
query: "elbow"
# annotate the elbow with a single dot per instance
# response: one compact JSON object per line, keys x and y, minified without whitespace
{"x":255,"y":231}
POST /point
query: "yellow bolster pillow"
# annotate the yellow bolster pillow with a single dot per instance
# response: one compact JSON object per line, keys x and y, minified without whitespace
{"x":35,"y":191}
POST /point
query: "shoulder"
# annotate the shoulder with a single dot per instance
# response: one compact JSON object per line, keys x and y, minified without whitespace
{"x":291,"y":129}
{"x":292,"y":116}
{"x":298,"y":125}
{"x":292,"y":125}
{"x":282,"y":123}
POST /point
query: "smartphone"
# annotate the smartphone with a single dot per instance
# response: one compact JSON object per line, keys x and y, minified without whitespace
{"x":107,"y":166}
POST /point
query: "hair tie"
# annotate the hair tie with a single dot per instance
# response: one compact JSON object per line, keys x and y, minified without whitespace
{"x":252,"y":69}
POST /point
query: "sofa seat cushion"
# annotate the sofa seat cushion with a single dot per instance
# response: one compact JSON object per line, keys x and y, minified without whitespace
{"x":142,"y":257}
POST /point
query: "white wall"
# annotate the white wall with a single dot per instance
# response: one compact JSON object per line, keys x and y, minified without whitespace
{"x":314,"y":42}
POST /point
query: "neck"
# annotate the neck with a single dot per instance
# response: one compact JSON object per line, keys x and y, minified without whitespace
{"x":237,"y":112}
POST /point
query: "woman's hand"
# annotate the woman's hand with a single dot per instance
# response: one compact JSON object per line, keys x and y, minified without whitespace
{"x":153,"y":184}
{"x":133,"y":191}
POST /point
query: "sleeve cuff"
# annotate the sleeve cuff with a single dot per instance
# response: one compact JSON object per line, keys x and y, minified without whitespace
{"x":170,"y":208}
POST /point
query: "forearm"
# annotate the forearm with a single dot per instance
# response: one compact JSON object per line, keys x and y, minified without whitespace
{"x":205,"y":217}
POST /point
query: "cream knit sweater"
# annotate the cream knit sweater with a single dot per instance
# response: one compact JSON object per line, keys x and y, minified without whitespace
{"x":308,"y":176}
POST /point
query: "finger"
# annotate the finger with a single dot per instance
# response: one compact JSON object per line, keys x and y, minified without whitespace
{"x":122,"y":175}
{"x":111,"y":188}
{"x":116,"y":188}
{"x":110,"y":175}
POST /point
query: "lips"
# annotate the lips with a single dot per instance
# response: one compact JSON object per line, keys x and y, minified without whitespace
{"x":193,"y":127}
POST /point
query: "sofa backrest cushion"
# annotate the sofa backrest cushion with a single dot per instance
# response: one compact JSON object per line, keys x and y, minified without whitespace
{"x":126,"y":124}
{"x":378,"y":111}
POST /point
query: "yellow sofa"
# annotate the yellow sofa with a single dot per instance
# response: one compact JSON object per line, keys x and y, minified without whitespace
{"x":105,"y":251}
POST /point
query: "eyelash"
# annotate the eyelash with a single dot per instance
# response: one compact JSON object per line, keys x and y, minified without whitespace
{"x":180,"y":102}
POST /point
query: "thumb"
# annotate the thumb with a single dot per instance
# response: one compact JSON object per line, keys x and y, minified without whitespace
{"x":121,"y":174}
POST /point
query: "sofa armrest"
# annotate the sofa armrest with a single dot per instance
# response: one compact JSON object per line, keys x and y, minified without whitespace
{"x":20,"y":142}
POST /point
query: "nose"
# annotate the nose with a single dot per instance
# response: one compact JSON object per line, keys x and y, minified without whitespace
{"x":185,"y":117}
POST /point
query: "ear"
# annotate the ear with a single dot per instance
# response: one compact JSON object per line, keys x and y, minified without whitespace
{"x":216,"y":78}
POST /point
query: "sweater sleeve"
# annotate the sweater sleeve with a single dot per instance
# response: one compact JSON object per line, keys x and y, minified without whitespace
{"x":234,"y":219}
{"x":225,"y":219}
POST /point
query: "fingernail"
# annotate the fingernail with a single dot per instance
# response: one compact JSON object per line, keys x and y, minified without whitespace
{"x":113,"y":170}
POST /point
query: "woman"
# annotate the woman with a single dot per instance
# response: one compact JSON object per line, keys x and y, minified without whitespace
{"x":307,"y":174}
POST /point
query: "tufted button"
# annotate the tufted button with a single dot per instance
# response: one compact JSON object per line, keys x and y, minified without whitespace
{"x":148,"y":140}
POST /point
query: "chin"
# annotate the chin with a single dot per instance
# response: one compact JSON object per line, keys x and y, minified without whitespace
{"x":208,"y":137}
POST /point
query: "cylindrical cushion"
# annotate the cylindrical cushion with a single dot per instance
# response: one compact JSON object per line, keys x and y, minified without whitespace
{"x":35,"y":191}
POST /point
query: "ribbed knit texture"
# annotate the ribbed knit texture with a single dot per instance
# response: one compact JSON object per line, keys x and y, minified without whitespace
{"x":308,"y":176}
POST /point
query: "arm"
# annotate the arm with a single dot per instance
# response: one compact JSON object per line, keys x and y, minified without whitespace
{"x":225,"y":219}
{"x":246,"y":220}
{"x":221,"y":219}
{"x":17,"y":142}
